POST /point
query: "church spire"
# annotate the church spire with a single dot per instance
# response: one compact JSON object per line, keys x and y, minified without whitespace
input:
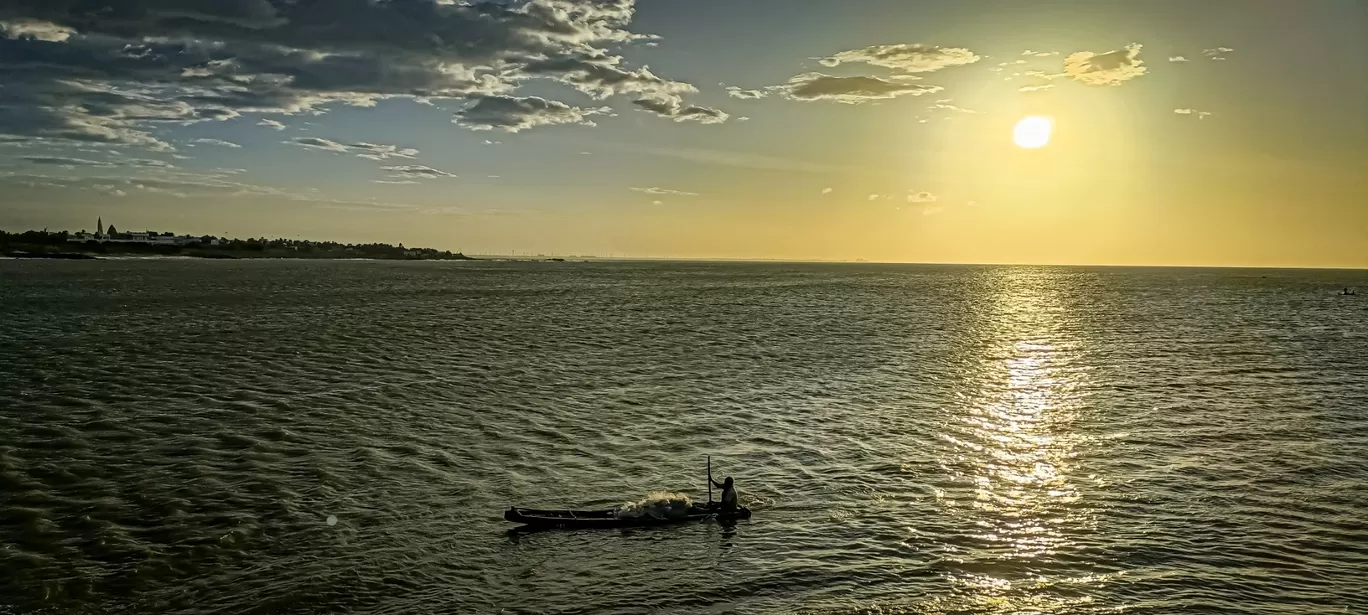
{"x":99,"y":226}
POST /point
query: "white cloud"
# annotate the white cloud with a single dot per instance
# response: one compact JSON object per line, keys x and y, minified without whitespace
{"x":415,"y":171}
{"x":1035,"y":88}
{"x":1217,"y":53}
{"x":945,"y":106}
{"x":663,"y":191}
{"x":826,"y":190}
{"x":1199,"y":114}
{"x":873,"y":197}
{"x":218,"y":142}
{"x":657,"y":202}
{"x":1177,"y":59}
{"x":909,"y":58}
{"x":743,"y":94}
{"x":1110,"y":68}
{"x":1039,"y":54}
{"x":922,"y":197}
{"x":852,"y":90}
{"x":269,"y":123}
{"x":35,"y":29}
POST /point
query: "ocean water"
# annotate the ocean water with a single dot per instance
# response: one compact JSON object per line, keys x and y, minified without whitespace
{"x":322,"y":437}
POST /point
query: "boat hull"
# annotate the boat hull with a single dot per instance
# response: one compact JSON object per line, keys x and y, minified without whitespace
{"x":608,"y":519}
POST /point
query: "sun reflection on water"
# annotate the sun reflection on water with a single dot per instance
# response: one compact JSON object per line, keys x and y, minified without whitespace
{"x":1013,"y":443}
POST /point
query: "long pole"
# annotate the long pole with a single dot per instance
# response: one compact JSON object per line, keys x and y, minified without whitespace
{"x":710,"y":479}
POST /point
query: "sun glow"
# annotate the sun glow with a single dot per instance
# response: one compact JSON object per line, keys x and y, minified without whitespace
{"x":1033,"y":131}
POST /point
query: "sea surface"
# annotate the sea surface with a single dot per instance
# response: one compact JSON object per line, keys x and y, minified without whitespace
{"x":327,"y":437}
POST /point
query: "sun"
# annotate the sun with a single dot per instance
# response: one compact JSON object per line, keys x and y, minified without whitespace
{"x":1033,"y":131}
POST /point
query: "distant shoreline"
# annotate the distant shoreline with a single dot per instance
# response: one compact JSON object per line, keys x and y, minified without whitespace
{"x":84,"y":256}
{"x":62,"y":245}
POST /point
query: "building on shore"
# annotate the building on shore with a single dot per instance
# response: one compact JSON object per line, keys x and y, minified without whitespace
{"x":112,"y":235}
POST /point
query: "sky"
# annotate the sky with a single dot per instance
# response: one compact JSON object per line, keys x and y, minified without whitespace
{"x":1220,"y":133}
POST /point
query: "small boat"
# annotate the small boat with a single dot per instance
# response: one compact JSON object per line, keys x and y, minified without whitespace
{"x":612,"y":518}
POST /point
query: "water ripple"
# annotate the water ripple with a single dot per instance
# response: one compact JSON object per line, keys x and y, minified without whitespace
{"x":317,"y":437}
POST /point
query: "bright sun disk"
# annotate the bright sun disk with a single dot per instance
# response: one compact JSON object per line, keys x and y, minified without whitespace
{"x":1033,"y":131}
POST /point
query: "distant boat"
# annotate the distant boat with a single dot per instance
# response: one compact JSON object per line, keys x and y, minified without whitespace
{"x":1348,"y":292}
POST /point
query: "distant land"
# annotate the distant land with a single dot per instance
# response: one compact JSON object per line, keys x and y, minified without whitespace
{"x":83,"y":245}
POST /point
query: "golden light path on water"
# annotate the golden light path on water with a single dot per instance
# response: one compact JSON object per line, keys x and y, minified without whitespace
{"x":1014,"y":440}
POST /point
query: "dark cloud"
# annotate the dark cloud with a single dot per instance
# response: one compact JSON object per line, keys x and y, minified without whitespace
{"x":512,"y":113}
{"x":671,"y":107}
{"x":910,"y":58}
{"x":110,"y":71}
{"x":1111,"y":68}
{"x":852,"y":90}
{"x":601,"y":76}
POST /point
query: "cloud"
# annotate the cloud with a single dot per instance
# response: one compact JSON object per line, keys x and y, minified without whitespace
{"x":65,"y":162}
{"x":513,"y":114}
{"x":187,"y":184}
{"x":908,"y":58}
{"x":109,"y":189}
{"x":319,"y":144}
{"x":1039,"y":54}
{"x":1035,"y":88}
{"x":852,"y":90}
{"x":123,"y":71}
{"x":599,"y":75}
{"x":826,"y":190}
{"x":1217,"y":53}
{"x":736,"y":92}
{"x":944,"y":105}
{"x":1199,"y":114}
{"x":728,"y":158}
{"x":71,"y":163}
{"x":873,"y":197}
{"x":1177,"y":59}
{"x":36,"y":30}
{"x":657,"y":202}
{"x":671,"y":107}
{"x":269,"y":123}
{"x":663,"y":191}
{"x":415,"y":171}
{"x":218,"y":142}
{"x":922,"y":197}
{"x":1111,"y":68}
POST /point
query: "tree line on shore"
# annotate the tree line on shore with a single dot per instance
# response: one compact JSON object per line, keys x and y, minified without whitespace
{"x":47,"y":242}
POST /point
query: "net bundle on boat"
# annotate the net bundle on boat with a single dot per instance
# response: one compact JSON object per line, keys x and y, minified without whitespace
{"x":657,"y":505}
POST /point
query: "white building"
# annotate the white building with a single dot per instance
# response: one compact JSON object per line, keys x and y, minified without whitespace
{"x":144,"y":237}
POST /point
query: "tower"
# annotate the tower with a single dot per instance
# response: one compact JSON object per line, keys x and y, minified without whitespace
{"x":99,"y":226}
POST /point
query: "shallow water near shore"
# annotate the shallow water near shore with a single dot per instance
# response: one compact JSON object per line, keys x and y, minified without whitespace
{"x":175,"y":436}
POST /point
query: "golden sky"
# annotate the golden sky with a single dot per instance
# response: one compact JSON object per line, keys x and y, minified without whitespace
{"x":1212,"y":133}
